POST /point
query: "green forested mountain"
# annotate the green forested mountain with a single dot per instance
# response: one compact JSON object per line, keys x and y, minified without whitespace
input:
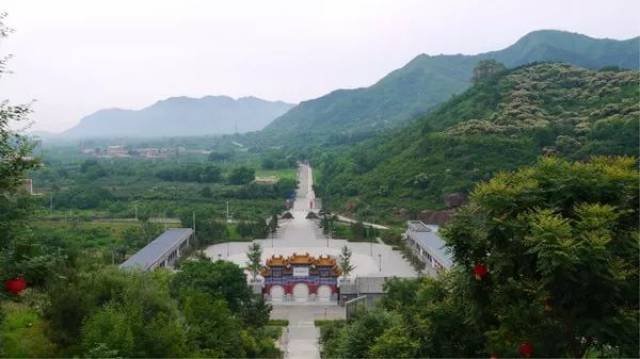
{"x":503,"y":122}
{"x":429,"y":80}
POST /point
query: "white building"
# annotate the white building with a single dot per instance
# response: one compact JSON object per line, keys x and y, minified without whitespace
{"x":426,"y":243}
{"x":163,"y":251}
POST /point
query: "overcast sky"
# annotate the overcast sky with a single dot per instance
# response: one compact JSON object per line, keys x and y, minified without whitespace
{"x":77,"y":56}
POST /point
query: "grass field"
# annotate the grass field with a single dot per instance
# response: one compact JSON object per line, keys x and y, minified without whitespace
{"x":287,"y":173}
{"x":22,"y":332}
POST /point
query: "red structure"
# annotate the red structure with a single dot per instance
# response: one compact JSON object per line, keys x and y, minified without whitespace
{"x":300,"y":276}
{"x":15,"y":285}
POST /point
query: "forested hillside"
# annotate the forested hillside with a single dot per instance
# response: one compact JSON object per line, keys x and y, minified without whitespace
{"x":506,"y":120}
{"x":427,"y":81}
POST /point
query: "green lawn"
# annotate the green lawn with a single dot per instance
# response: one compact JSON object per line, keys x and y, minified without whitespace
{"x":289,"y":173}
{"x":23,"y":333}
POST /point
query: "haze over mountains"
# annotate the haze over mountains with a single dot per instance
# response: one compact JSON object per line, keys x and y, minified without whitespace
{"x":416,"y":88}
{"x":427,"y":81}
{"x":182,"y":116}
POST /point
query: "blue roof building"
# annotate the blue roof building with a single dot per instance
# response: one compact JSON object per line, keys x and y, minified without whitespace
{"x":426,"y":243}
{"x":163,"y":251}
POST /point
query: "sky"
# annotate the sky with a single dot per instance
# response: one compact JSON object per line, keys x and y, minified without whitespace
{"x":74,"y":57}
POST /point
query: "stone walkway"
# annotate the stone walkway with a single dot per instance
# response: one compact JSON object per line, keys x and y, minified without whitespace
{"x":300,"y":338}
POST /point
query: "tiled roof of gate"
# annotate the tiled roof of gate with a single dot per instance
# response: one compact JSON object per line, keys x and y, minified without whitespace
{"x":153,"y":251}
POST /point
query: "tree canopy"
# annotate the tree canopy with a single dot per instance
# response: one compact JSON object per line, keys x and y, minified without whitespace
{"x":546,"y":265}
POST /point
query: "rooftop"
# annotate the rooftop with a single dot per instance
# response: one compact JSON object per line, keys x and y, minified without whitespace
{"x":152,"y":252}
{"x":426,"y":236}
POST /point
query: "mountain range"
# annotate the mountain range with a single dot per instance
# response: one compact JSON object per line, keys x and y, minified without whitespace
{"x":344,"y":116}
{"x":182,"y":116}
{"x":427,"y":81}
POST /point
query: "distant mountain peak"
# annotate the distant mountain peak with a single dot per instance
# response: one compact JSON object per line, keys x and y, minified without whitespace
{"x":182,"y":116}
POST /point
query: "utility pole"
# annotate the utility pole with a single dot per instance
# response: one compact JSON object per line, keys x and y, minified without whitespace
{"x":227,"y":211}
{"x":379,"y":262}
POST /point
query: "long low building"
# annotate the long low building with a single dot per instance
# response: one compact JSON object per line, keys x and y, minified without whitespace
{"x":427,"y":244}
{"x":163,"y":251}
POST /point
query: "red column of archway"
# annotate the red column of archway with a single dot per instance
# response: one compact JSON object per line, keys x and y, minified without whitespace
{"x":313,"y":288}
{"x":288,"y":288}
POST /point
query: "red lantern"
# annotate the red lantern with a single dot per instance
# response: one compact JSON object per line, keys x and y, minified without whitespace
{"x":525,"y":349}
{"x":15,"y":285}
{"x":480,"y":271}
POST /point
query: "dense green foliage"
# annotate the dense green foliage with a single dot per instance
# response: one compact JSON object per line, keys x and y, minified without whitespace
{"x":204,"y":310}
{"x":560,"y":242}
{"x":502,"y":123}
{"x":345,"y":116}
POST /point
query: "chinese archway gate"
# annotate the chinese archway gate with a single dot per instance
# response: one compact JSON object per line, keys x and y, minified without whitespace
{"x":300,"y":278}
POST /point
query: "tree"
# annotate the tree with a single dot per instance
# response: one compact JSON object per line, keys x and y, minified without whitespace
{"x":356,"y":339}
{"x":131,"y":313}
{"x":108,"y":329}
{"x":211,"y":174}
{"x":254,"y":254}
{"x":345,"y":261}
{"x":244,"y":229}
{"x":242,"y":175}
{"x":15,"y":161}
{"x":487,"y":69}
{"x":268,"y":163}
{"x":210,"y":229}
{"x":219,"y":279}
{"x":394,"y":343}
{"x":558,"y":242}
{"x":92,"y":169}
{"x":359,"y":230}
{"x":273,"y":224}
{"x":205,"y":192}
{"x":212,"y":327}
{"x":220,"y":156}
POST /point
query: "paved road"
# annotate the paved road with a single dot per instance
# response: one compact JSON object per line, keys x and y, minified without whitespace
{"x":301,"y":334}
{"x":349,"y":220}
{"x":300,"y":339}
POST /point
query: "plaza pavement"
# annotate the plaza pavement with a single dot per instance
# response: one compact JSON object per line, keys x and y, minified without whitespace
{"x":300,"y":235}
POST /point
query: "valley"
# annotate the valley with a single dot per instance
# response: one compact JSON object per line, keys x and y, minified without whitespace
{"x":479,"y":205}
